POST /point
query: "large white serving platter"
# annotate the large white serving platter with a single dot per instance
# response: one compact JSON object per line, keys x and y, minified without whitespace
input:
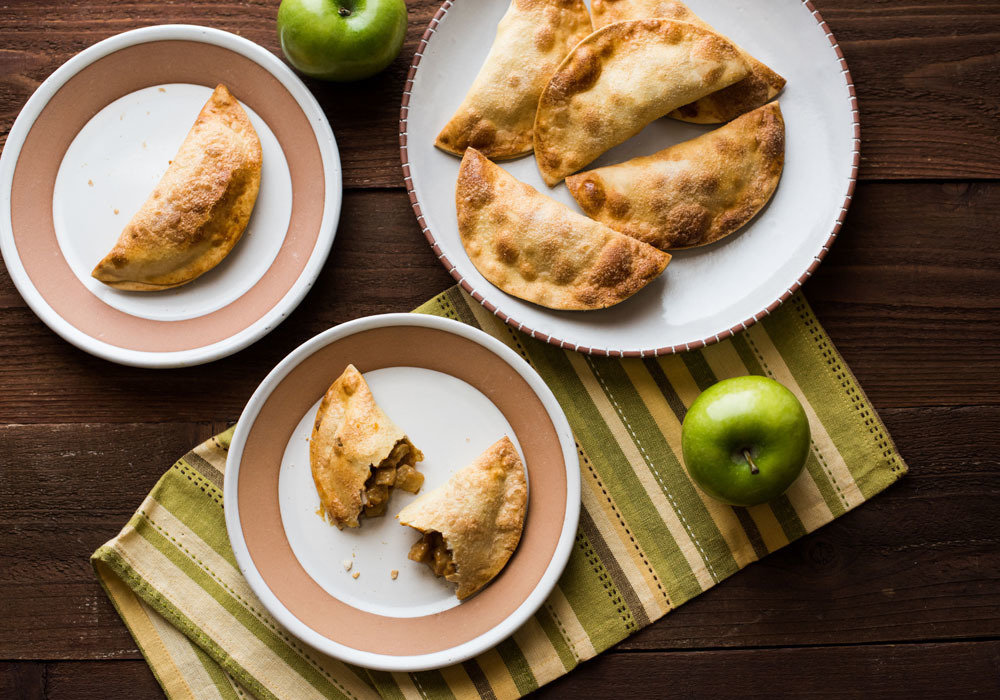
{"x":707,"y":293}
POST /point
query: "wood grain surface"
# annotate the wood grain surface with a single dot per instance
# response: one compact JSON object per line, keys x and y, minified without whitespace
{"x":898,"y":598}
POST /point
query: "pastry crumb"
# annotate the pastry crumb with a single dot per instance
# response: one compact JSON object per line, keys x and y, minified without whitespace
{"x":393,"y":574}
{"x":355,"y":574}
{"x":162,"y":89}
{"x":90,"y":182}
{"x":116,"y":211}
{"x":347,"y":564}
{"x":143,"y":144}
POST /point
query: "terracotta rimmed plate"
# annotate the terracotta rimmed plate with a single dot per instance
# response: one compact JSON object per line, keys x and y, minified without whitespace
{"x":454,"y":390}
{"x":708,"y":293}
{"x":90,"y":145}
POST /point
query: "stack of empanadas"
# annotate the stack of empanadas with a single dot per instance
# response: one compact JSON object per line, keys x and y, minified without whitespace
{"x":470,"y":525}
{"x":647,"y":59}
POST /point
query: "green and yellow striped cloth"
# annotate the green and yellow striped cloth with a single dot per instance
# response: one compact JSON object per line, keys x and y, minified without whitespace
{"x":648,"y":539}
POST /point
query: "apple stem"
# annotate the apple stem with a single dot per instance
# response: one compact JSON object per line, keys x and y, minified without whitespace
{"x":753,"y":467}
{"x":344,"y":12}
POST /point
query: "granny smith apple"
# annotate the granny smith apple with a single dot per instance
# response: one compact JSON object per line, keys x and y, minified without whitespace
{"x":341,"y":39}
{"x":745,"y":440}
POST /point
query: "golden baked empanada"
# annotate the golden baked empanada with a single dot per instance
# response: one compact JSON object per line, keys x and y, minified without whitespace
{"x":536,"y":249}
{"x":758,"y":88}
{"x":695,"y":192}
{"x":498,"y":112}
{"x":198,"y":210}
{"x":621,"y":78}
{"x":472,"y":523}
{"x":358,"y":455}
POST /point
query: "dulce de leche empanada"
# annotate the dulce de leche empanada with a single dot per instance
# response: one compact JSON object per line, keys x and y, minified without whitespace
{"x":199,"y":209}
{"x":758,"y":88}
{"x":472,"y":523}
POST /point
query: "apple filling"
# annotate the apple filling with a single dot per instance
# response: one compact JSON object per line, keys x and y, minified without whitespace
{"x":397,"y":470}
{"x":432,"y":550}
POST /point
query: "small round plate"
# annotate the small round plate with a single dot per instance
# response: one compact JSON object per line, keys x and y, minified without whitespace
{"x":455,"y":391}
{"x":89,"y":147}
{"x":707,"y":293}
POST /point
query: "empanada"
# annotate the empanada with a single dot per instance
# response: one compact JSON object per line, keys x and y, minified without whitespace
{"x":358,"y":455}
{"x":472,"y":523}
{"x":498,"y":112}
{"x":758,"y":88}
{"x":695,"y":192}
{"x":621,"y":78}
{"x":198,"y":210}
{"x":536,"y":249}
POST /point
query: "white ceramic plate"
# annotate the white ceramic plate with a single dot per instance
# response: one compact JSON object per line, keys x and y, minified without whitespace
{"x":455,"y":391}
{"x":708,"y":293}
{"x":93,"y":141}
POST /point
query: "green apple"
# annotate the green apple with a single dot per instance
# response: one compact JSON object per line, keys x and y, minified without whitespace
{"x":341,"y":39}
{"x":745,"y":440}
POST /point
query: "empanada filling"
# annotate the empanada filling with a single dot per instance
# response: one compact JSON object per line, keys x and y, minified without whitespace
{"x":396,"y":470}
{"x":432,"y":550}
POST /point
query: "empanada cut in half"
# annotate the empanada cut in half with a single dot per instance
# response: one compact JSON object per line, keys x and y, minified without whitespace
{"x":498,"y":113}
{"x":537,"y":249}
{"x":621,"y":78}
{"x":472,"y":523}
{"x":760,"y":87}
{"x":199,"y":209}
{"x":693,"y":193}
{"x":358,"y":455}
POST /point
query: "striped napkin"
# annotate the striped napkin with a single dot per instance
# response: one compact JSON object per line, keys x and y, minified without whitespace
{"x":648,"y":539}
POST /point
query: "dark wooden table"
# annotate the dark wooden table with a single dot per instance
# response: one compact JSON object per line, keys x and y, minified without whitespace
{"x":900,"y":597}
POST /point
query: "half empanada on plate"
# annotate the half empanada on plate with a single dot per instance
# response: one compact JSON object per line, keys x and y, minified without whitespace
{"x":537,"y":249}
{"x":621,"y":78}
{"x":760,"y":87}
{"x":358,"y":455}
{"x":472,"y":523}
{"x":199,"y":209}
{"x":692,"y":193}
{"x":498,"y":113}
